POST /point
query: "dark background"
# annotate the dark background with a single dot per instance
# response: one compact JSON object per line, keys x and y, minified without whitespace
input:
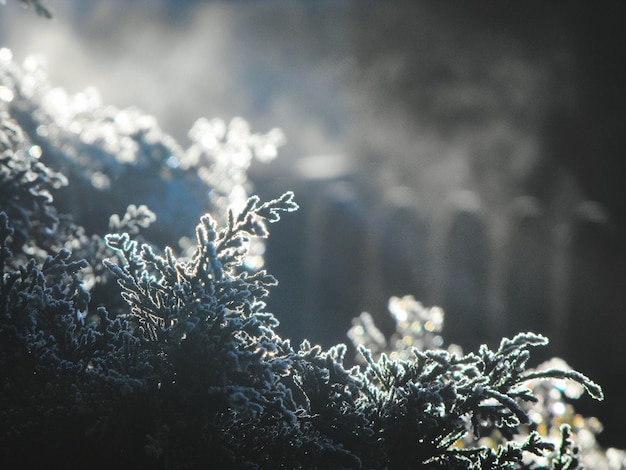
{"x":467,"y":153}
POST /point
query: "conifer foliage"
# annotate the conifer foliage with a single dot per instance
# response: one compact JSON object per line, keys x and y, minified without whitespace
{"x":166,"y":360}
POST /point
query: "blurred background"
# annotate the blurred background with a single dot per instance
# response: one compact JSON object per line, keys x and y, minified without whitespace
{"x":467,"y":153}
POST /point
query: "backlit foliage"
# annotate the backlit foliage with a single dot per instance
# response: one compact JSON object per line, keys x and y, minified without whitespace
{"x":545,"y":400}
{"x":118,"y":351}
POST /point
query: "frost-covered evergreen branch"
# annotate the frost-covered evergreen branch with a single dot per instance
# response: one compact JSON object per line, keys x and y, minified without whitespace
{"x":475,"y":410}
{"x":134,"y":356}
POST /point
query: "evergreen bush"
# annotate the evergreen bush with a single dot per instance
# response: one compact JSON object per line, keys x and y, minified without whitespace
{"x":118,"y":352}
